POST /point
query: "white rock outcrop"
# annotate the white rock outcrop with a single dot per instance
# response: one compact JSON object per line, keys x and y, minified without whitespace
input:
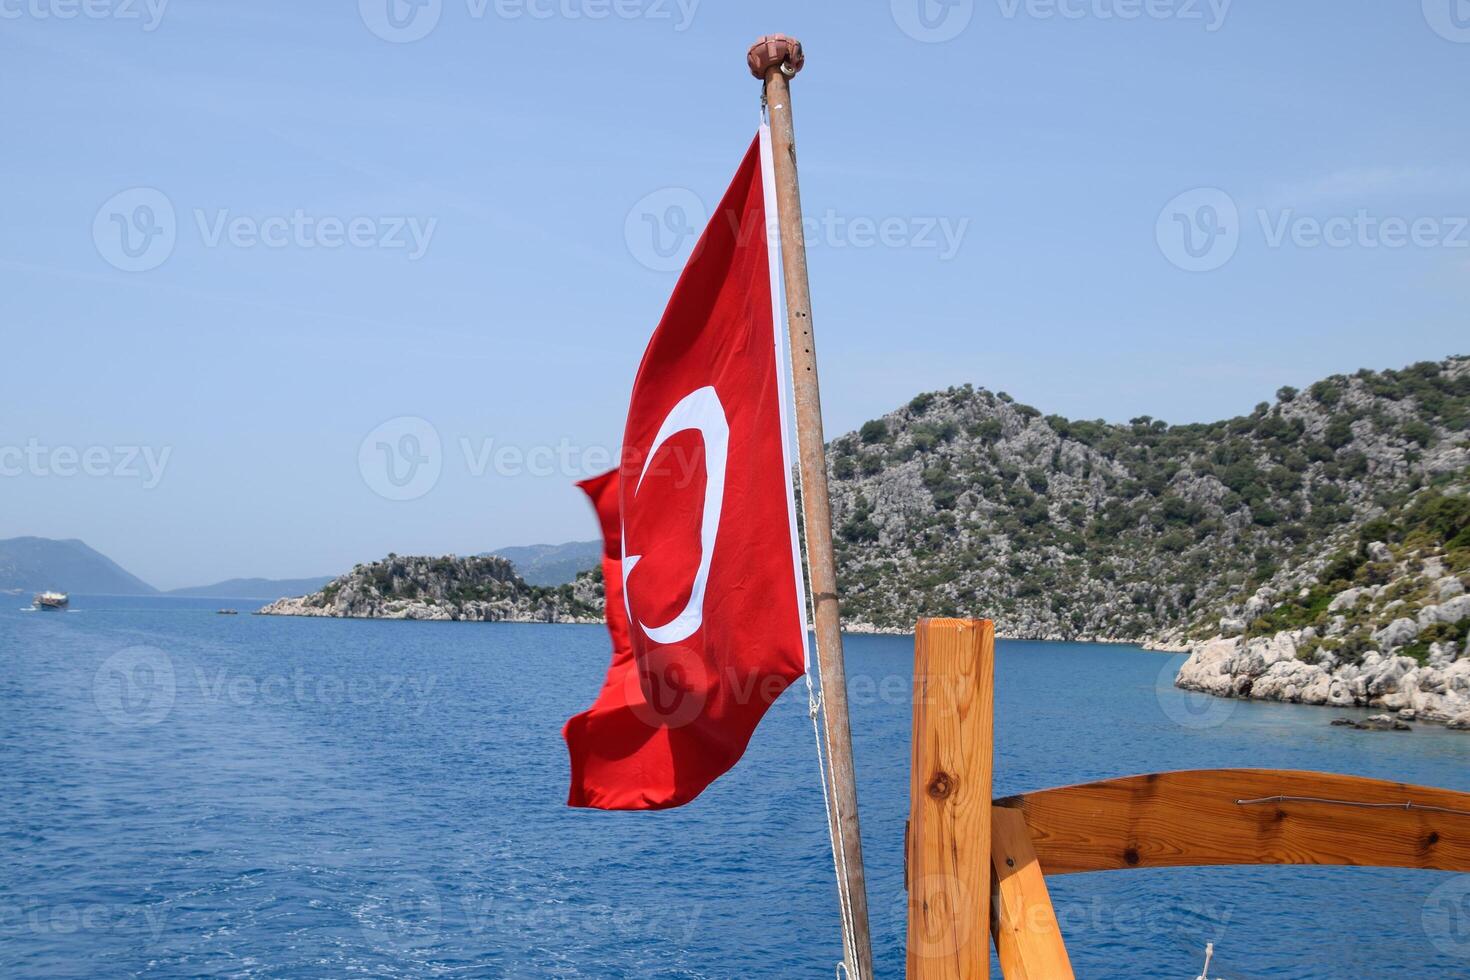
{"x":1266,"y":668}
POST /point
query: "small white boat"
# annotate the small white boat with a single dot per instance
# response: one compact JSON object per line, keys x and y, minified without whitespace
{"x":51,"y":600}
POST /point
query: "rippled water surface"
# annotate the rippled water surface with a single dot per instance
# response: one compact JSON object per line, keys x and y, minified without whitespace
{"x":185,"y":794}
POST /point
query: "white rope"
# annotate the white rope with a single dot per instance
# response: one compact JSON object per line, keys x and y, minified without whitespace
{"x":830,"y":804}
{"x":839,"y":857}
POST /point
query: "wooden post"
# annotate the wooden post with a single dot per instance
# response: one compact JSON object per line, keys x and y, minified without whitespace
{"x":775,"y":59}
{"x":947,"y":864}
{"x":1028,"y":939}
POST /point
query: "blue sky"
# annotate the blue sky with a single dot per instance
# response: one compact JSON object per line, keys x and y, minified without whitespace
{"x":347,"y":241}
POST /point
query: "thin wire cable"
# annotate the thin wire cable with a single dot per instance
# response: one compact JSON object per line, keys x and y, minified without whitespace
{"x":816,"y":704}
{"x":839,"y":859}
{"x":1360,"y":804}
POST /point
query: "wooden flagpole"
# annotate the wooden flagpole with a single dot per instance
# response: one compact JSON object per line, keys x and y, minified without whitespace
{"x":775,"y":59}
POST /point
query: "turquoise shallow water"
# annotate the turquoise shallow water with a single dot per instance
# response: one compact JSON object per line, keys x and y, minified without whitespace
{"x":184,"y":794}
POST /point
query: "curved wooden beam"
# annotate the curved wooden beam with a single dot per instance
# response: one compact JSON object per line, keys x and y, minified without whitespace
{"x":1245,"y":816}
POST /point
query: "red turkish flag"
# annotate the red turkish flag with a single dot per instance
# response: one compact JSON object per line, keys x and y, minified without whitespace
{"x":701,"y":565}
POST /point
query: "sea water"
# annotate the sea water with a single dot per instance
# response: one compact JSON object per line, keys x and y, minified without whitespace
{"x":184,"y":794}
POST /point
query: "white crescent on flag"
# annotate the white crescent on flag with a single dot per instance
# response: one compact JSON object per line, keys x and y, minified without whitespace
{"x":701,"y":411}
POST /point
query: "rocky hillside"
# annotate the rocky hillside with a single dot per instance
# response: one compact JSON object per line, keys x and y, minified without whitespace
{"x":966,"y":502}
{"x":1382,"y":622}
{"x":482,"y":589}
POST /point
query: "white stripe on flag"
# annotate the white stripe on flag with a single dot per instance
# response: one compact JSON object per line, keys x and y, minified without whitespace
{"x":783,"y":371}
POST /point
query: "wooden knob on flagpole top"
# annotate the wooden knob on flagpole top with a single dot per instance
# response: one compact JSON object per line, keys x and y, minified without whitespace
{"x":775,"y":51}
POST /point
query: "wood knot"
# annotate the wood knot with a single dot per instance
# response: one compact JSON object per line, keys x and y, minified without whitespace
{"x":1432,"y":839}
{"x":941,"y":785}
{"x":1130,"y":856}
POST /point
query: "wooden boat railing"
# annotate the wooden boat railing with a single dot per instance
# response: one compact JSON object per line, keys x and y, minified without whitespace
{"x":958,"y":837}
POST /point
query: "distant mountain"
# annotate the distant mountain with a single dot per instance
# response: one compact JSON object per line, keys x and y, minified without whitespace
{"x":68,"y":566}
{"x":552,"y":564}
{"x":256,"y":588}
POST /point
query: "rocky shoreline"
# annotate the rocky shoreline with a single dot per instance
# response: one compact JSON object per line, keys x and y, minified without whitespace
{"x":421,"y":609}
{"x":1268,"y":669}
{"x":1152,"y":644}
{"x":1400,"y":645}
